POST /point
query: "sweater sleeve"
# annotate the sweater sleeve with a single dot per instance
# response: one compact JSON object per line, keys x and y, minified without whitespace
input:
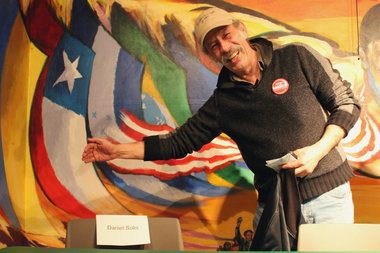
{"x":197,"y":131}
{"x":334,"y":93}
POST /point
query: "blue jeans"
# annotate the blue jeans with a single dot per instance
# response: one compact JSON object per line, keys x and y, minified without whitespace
{"x":334,"y":206}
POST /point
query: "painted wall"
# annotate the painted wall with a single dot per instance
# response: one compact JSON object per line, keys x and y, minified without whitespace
{"x":126,"y":69}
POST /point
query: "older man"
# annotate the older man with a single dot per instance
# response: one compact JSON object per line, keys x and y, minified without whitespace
{"x":271,"y":103}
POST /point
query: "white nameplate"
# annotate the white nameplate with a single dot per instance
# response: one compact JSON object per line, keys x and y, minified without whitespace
{"x":122,"y":230}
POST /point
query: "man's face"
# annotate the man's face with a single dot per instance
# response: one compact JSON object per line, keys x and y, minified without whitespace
{"x":229,"y":46}
{"x":248,"y":236}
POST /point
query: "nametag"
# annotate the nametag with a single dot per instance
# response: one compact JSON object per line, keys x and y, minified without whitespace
{"x":122,"y":230}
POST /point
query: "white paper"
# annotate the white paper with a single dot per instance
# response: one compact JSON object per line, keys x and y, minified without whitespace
{"x":278,"y":162}
{"x":122,"y":230}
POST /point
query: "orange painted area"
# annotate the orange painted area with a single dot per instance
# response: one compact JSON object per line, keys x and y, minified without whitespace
{"x":293,"y":10}
{"x":366,"y":196}
{"x":315,"y":16}
{"x":321,"y":17}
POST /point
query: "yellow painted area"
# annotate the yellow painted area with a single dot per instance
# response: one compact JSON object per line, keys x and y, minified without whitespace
{"x":63,"y":10}
{"x":24,"y":4}
{"x":322,"y":47}
{"x":218,"y":181}
{"x":22,"y":65}
{"x":346,"y":37}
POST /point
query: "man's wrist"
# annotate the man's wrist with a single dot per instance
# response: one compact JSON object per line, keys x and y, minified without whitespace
{"x":133,"y":150}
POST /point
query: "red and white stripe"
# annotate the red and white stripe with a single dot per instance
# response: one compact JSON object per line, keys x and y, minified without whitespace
{"x":214,"y":155}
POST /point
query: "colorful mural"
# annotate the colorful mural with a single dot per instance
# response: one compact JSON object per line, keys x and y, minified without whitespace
{"x":125,"y":69}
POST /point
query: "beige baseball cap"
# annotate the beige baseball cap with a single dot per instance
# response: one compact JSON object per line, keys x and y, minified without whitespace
{"x":209,"y":19}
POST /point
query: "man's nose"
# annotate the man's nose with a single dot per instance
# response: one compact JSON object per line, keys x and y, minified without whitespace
{"x":224,"y":47}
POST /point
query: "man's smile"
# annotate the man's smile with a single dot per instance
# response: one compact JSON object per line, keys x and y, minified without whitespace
{"x":232,"y":56}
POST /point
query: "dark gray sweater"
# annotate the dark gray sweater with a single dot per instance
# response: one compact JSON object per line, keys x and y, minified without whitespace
{"x":266,"y":124}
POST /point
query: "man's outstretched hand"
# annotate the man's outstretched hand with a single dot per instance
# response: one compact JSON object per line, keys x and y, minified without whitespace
{"x":98,"y":150}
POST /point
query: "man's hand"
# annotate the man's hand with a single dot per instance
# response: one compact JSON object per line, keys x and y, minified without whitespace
{"x":238,"y":222}
{"x":307,"y":158}
{"x":99,"y":150}
{"x":102,"y":150}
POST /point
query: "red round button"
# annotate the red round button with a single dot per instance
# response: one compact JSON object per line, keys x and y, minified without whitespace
{"x":280,"y":86}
